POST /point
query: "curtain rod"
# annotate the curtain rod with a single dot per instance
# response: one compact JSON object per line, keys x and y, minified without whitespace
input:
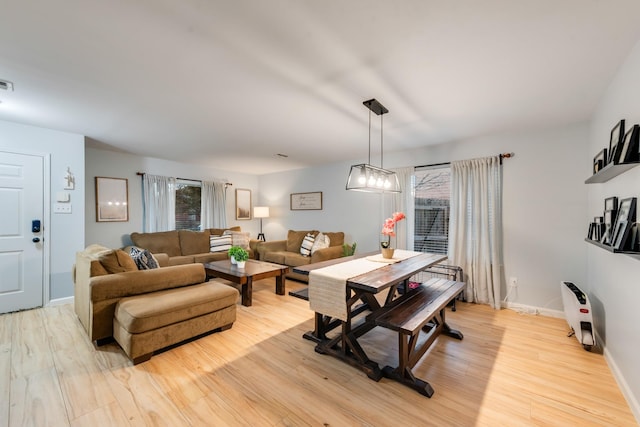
{"x":501,"y":155}
{"x":226,"y":184}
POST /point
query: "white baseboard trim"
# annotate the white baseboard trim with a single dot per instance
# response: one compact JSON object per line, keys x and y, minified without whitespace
{"x":60,"y":301}
{"x":530,"y":309}
{"x":634,"y":405}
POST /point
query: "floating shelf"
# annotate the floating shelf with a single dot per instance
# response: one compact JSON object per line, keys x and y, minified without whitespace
{"x":610,"y":171}
{"x":610,"y":249}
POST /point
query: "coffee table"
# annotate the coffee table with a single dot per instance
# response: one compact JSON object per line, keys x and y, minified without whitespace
{"x":253,"y":270}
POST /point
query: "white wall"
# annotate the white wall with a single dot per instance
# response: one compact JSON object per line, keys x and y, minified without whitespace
{"x":613,"y":279}
{"x":119,"y":165}
{"x":66,"y":230}
{"x":545,"y":204}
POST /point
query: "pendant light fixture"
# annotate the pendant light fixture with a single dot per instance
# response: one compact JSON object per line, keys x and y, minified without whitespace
{"x":365,"y":176}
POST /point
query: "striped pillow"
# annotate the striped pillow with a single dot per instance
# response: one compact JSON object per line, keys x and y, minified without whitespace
{"x":219,"y":243}
{"x":307,"y":244}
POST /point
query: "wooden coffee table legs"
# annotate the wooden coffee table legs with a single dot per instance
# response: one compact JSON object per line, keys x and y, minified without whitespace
{"x":247,"y":289}
{"x":280,"y":284}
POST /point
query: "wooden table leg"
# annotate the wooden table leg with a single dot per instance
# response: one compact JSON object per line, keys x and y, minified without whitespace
{"x":280,"y":284}
{"x":247,"y":291}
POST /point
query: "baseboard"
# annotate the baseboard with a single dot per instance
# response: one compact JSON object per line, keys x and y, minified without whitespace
{"x":634,"y":405}
{"x":60,"y":301}
{"x":530,"y":309}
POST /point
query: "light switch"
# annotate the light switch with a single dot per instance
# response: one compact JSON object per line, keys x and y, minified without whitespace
{"x":62,"y":208}
{"x":63,"y":197}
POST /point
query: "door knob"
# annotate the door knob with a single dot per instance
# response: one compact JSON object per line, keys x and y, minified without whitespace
{"x":35,"y":239}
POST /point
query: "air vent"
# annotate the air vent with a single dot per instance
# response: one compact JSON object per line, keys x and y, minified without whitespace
{"x":6,"y":85}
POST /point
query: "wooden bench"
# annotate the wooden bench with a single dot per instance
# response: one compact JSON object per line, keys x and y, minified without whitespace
{"x":422,"y":309}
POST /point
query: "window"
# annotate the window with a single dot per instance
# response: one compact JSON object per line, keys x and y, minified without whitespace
{"x":432,"y":195}
{"x":188,"y":205}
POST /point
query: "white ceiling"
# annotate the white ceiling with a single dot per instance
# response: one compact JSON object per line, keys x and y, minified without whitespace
{"x":233,"y":83}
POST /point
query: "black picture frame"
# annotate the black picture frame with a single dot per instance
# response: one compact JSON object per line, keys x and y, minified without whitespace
{"x":616,"y":138}
{"x":629,"y":150}
{"x":627,"y":210}
{"x":624,"y":220}
{"x":600,"y":161}
{"x":620,"y":235}
{"x":611,"y":204}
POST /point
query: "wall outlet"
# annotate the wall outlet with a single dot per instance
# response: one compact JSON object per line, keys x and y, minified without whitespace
{"x":513,"y":282}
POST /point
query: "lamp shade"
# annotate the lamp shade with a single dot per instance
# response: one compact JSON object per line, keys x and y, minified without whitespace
{"x":261,"y":211}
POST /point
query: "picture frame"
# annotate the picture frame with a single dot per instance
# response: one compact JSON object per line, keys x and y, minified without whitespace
{"x":608,"y":225}
{"x":616,"y":139}
{"x":629,"y":150}
{"x":627,"y":210}
{"x":306,"y":201}
{"x":620,"y":235}
{"x":611,"y":204}
{"x":243,"y":204}
{"x":600,"y":160}
{"x":625,"y":218}
{"x":112,"y":199}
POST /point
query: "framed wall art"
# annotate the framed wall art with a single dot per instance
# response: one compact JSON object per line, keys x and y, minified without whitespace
{"x":306,"y":201}
{"x":112,"y":199}
{"x":243,"y":203}
{"x":600,"y":160}
{"x":615,"y":143}
{"x":629,"y":150}
{"x":625,"y":219}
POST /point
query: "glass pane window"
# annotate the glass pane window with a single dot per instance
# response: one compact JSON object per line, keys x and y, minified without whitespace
{"x":188,"y":206}
{"x":432,"y":196}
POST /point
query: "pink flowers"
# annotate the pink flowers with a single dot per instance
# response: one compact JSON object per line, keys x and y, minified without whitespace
{"x":388,"y":229}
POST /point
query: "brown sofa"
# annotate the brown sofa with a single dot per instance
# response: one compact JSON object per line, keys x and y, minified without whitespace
{"x":287,"y":252}
{"x":184,"y":246}
{"x":146,"y":310}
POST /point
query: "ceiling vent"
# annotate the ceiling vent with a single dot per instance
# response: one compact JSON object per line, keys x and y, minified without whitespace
{"x":6,"y":85}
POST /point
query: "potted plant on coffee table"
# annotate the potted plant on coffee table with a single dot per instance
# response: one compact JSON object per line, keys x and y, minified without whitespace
{"x":233,"y":250}
{"x":240,"y":254}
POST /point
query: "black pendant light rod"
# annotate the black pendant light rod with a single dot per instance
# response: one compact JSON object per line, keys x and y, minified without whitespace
{"x":379,"y":109}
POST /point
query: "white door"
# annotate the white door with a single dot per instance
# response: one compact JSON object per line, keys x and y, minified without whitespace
{"x":21,"y":246}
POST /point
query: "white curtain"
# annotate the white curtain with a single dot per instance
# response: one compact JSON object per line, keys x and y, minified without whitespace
{"x":213,"y":200}
{"x":475,"y":227}
{"x":159,"y":195}
{"x":404,"y":202}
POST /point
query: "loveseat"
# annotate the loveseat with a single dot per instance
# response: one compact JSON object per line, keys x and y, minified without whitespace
{"x":188,"y":247}
{"x":147,"y":310}
{"x":290,"y":252}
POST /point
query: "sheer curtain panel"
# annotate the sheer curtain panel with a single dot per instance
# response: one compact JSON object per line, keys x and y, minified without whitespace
{"x":475,"y":227}
{"x":403,"y":202}
{"x":159,"y":196}
{"x":214,"y":205}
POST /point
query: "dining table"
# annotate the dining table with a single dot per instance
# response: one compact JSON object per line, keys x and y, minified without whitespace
{"x":367,"y":296}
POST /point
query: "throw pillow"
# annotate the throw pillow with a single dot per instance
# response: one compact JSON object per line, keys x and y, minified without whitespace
{"x":143,"y":258}
{"x":307,"y":244}
{"x":322,"y":241}
{"x":238,"y":238}
{"x":117,"y":261}
{"x":219,"y":243}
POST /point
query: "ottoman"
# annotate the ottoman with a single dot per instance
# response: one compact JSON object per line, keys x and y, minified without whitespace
{"x":149,"y":322}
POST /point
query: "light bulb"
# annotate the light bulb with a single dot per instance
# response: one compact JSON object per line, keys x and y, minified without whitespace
{"x":362,"y":177}
{"x":372,"y":180}
{"x":387,"y":183}
{"x":379,"y":181}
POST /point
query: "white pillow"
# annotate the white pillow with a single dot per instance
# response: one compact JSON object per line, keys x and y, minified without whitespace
{"x":322,"y":241}
{"x":219,"y":243}
{"x":307,"y":244}
{"x":238,"y":238}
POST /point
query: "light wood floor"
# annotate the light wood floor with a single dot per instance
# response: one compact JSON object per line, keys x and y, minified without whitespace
{"x":510,"y":369}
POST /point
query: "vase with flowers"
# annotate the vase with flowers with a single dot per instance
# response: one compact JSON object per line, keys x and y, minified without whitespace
{"x":388,"y":231}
